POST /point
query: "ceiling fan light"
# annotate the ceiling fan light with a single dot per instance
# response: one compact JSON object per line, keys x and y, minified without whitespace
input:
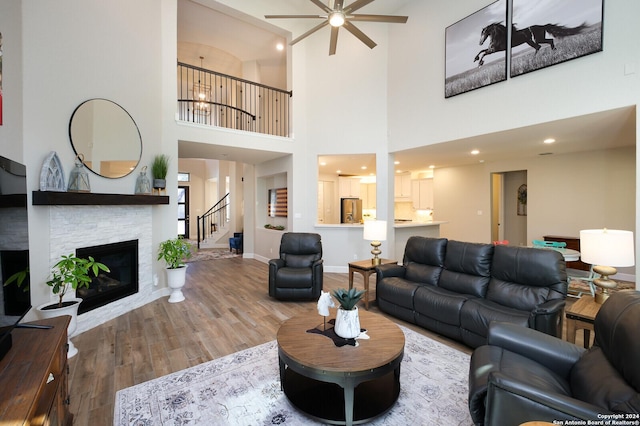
{"x":336,"y":19}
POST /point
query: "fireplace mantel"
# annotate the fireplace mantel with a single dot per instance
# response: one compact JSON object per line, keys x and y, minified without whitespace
{"x":53,"y":198}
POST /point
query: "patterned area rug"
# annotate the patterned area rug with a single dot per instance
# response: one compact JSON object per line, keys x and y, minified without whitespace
{"x":211,"y":254}
{"x":244,"y":389}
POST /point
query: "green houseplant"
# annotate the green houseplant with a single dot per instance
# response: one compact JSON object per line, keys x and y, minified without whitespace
{"x":159,"y":170}
{"x":71,"y":272}
{"x":173,"y":252}
{"x":347,"y":323}
{"x":348,"y":298}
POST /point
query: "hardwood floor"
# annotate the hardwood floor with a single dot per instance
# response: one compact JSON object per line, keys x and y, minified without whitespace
{"x":227,"y":309}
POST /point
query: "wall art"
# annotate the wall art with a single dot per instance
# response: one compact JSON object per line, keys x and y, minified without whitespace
{"x":546,"y":33}
{"x":475,"y":50}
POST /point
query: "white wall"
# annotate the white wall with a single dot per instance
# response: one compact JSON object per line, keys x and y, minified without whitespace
{"x":58,"y":55}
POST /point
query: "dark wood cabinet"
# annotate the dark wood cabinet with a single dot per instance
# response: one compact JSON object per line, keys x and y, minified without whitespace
{"x":34,"y":386}
{"x":574,"y":244}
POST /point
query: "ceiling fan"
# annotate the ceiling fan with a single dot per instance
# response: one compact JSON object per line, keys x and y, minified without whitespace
{"x":342,"y":16}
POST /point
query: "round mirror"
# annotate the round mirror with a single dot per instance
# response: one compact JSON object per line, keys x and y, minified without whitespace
{"x":107,"y":136}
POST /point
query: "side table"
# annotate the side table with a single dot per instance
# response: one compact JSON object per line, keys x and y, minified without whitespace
{"x":581,"y":315}
{"x":366,"y":268}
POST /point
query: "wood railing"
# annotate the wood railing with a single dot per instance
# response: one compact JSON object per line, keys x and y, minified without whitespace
{"x":210,"y":98}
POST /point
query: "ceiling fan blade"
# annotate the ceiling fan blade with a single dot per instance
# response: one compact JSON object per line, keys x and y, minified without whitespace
{"x":379,"y":18}
{"x":311,"y":31}
{"x":362,"y":36}
{"x":321,"y":5}
{"x":334,"y":40}
{"x":358,"y":4}
{"x":294,"y":16}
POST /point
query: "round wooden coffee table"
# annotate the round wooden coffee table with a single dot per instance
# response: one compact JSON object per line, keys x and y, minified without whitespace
{"x":340,"y":385}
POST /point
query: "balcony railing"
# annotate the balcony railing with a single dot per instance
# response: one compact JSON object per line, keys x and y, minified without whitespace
{"x":214,"y":99}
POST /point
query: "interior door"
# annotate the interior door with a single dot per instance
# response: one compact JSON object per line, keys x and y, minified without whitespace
{"x":183,"y":211}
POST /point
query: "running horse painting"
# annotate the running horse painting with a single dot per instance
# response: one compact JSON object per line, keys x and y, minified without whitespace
{"x":533,"y":36}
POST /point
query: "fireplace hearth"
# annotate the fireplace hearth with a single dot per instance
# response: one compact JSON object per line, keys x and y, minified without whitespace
{"x":122,"y":280}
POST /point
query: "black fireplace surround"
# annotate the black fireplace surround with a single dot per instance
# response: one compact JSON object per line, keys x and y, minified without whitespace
{"x":122,"y":260}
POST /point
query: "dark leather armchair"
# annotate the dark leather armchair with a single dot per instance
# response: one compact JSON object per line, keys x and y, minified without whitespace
{"x":524,"y":375}
{"x":297,"y":274}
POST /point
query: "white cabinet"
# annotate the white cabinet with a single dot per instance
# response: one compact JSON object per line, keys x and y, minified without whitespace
{"x":422,"y":194}
{"x":403,"y":187}
{"x":349,"y":187}
{"x":368,"y":195}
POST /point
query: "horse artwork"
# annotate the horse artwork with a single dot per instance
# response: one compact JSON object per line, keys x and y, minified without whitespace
{"x":533,"y":36}
{"x":461,"y":73}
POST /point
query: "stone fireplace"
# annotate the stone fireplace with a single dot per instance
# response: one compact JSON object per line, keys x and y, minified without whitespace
{"x":89,"y":226}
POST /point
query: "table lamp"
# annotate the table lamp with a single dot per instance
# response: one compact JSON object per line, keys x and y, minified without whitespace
{"x":606,"y":249}
{"x":375,"y":231}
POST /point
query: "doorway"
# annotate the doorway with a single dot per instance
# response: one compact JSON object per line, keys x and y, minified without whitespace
{"x":508,"y":207}
{"x":183,"y":211}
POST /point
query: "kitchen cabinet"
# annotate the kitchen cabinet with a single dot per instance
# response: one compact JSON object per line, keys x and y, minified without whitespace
{"x":368,"y":195}
{"x":422,"y":194}
{"x":402,"y":187}
{"x":349,"y":187}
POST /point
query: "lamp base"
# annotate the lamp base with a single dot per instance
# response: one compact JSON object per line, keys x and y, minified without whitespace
{"x":376,"y":252}
{"x":604,"y":282}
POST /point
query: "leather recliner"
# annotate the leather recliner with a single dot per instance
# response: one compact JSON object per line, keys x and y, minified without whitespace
{"x":523,"y":375}
{"x":297,"y":274}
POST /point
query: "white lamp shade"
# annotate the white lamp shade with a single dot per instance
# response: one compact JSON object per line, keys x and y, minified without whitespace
{"x":607,"y":247}
{"x":375,"y":230}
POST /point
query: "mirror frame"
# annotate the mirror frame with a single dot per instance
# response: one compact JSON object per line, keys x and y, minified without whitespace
{"x":135,"y":125}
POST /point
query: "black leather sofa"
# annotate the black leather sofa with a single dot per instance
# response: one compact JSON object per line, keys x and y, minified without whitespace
{"x":523,"y":375}
{"x":457,"y":288}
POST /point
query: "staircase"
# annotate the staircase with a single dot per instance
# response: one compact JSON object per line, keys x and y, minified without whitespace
{"x":213,"y":230}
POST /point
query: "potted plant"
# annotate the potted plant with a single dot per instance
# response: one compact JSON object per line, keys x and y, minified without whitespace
{"x":347,"y":320}
{"x":70,"y":272}
{"x":159,"y":169}
{"x":173,"y":252}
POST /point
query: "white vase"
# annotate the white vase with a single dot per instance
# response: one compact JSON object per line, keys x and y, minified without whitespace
{"x":71,"y":310}
{"x":175,"y":280}
{"x":347,"y":323}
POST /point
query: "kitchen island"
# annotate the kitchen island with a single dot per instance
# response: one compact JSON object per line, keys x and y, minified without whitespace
{"x":348,"y":238}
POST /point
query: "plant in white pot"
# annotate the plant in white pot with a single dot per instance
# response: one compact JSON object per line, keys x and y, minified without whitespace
{"x":173,"y":252}
{"x":347,"y":319}
{"x":70,"y":272}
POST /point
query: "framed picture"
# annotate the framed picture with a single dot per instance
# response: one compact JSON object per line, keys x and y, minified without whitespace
{"x":475,"y":50}
{"x":546,"y":33}
{"x":0,"y":79}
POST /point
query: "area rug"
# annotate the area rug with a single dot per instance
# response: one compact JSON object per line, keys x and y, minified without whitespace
{"x":244,"y":389}
{"x":211,"y":254}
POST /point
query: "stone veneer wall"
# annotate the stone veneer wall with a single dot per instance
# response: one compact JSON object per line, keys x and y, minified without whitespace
{"x":73,"y":227}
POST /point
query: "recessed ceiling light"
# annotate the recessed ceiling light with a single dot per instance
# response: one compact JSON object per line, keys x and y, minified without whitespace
{"x":432,"y":166}
{"x":364,"y":167}
{"x":323,"y":163}
{"x":396,"y":162}
{"x":280,"y":46}
{"x":549,"y":140}
{"x":475,"y":152}
{"x":398,"y":171}
{"x":338,"y":171}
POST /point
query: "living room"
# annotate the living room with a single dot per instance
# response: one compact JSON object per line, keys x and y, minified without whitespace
{"x":57,"y":55}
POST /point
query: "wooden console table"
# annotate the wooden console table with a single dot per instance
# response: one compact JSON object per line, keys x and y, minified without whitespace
{"x":33,"y":376}
{"x":366,"y":268}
